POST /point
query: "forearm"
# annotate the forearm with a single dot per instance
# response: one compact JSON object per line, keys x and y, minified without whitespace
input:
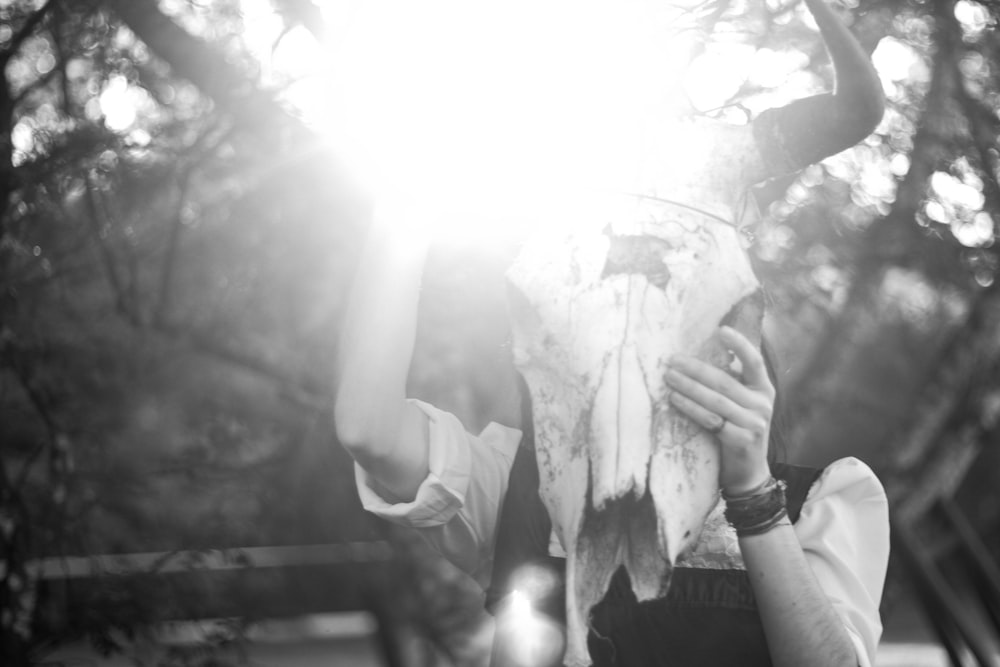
{"x":801,"y":625}
{"x":373,"y":421}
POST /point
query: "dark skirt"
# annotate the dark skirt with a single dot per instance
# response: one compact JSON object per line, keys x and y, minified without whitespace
{"x":709,"y":616}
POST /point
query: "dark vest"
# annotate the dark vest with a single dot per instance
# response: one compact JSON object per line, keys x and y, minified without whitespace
{"x":709,"y":617}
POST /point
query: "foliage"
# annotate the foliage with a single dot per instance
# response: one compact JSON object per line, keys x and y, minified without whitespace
{"x":157,"y":343}
{"x":175,"y":249}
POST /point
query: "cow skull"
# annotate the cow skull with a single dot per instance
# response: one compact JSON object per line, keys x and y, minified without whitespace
{"x":596,"y":314}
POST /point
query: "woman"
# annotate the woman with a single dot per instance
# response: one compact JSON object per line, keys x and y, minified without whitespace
{"x":778,"y":593}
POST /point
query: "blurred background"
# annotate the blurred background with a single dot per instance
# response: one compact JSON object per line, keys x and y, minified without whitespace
{"x":178,"y":233}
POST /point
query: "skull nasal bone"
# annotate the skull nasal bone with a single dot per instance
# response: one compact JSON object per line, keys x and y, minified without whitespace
{"x":638,"y":255}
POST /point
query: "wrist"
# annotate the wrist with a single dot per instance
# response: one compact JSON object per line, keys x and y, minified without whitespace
{"x":748,"y":486}
{"x":757,"y":511}
{"x":782,"y":522}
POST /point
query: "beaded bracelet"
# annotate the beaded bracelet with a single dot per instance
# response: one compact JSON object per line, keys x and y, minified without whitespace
{"x":763,"y":487}
{"x":758,"y":511}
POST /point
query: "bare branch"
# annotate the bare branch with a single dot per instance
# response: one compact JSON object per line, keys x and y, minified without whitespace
{"x":38,"y":83}
{"x":39,"y":403}
{"x":61,"y":59}
{"x":194,"y":60}
{"x":946,"y":399}
{"x":891,"y":239}
{"x":173,"y":240}
{"x":94,"y":218}
{"x":300,"y":390}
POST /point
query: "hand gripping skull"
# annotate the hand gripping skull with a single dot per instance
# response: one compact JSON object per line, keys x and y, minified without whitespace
{"x":626,"y":479}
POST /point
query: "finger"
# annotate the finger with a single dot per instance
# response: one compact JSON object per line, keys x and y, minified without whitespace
{"x":697,"y":413}
{"x":714,"y":378}
{"x":754,"y":371}
{"x":706,"y":398}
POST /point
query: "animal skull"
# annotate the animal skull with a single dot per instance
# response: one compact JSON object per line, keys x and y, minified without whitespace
{"x":596,"y":313}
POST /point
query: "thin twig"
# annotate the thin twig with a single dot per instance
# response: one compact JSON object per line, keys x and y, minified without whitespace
{"x":173,"y":240}
{"x":63,"y":61}
{"x":106,"y":253}
{"x":39,"y":404}
{"x":302,"y":390}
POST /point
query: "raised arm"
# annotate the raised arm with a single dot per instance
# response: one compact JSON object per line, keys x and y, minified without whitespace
{"x":382,"y":432}
{"x":808,"y":130}
{"x":822,"y":617}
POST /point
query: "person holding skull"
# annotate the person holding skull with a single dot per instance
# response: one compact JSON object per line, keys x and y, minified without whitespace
{"x":786,"y":568}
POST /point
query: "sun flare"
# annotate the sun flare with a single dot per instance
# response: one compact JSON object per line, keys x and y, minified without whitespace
{"x":489,"y":116}
{"x":487,"y":111}
{"x":495,"y":108}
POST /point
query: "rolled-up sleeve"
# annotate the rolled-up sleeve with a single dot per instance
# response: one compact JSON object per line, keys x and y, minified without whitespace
{"x":457,"y":505}
{"x":844,"y":533}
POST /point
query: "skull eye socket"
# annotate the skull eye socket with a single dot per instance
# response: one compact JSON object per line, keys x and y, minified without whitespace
{"x":638,"y":255}
{"x":747,"y":314}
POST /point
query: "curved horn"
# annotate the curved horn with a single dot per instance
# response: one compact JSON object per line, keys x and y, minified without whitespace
{"x":810,"y":129}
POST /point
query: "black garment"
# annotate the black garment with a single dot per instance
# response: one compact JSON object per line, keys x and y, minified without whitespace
{"x":709,"y":617}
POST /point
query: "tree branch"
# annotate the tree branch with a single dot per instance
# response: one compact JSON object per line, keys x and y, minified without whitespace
{"x":891,"y":238}
{"x":36,"y":84}
{"x":946,"y":399}
{"x":173,"y":240}
{"x":194,"y":60}
{"x":303,"y":391}
{"x":984,"y":128}
{"x":94,"y":218}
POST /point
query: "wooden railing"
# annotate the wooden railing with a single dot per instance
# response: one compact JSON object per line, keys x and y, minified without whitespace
{"x":251,"y":583}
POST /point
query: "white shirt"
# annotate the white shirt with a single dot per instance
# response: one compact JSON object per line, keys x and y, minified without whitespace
{"x":843,"y":527}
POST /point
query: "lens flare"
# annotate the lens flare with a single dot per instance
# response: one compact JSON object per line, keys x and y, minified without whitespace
{"x":501,"y":112}
{"x":530,"y":638}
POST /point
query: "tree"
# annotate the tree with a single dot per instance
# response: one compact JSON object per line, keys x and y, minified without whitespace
{"x":174,"y":249}
{"x":157,"y":345}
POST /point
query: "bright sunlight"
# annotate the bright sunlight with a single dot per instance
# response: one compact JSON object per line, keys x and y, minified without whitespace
{"x":489,"y":116}
{"x":496,"y":111}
